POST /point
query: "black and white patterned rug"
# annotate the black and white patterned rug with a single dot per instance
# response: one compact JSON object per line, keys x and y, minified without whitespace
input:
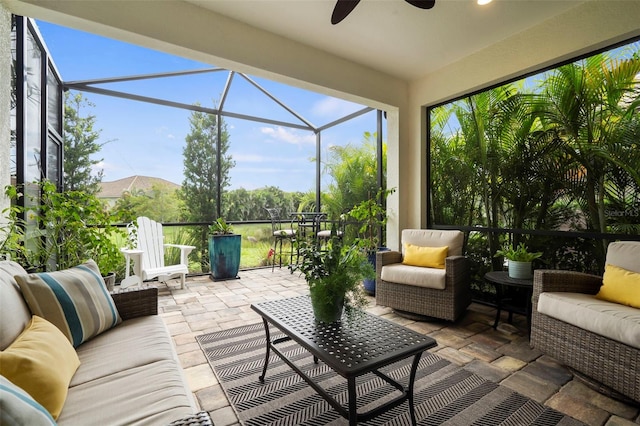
{"x":445,"y":394}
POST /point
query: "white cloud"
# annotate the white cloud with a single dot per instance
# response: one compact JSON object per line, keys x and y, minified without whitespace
{"x":291,"y":136}
{"x":332,"y":107}
{"x":164,"y":132}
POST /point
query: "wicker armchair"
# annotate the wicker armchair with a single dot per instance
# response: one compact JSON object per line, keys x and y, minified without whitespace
{"x":608,"y":365}
{"x":447,"y":303}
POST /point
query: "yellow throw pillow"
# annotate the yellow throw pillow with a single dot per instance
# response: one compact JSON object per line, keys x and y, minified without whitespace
{"x":41,"y":361}
{"x":620,"y":286}
{"x":430,"y":257}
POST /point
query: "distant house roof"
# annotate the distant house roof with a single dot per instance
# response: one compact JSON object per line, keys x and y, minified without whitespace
{"x":116,"y":188}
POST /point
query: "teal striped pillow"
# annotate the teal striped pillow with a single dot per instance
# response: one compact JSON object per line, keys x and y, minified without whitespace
{"x":18,"y":408}
{"x":76,"y":300}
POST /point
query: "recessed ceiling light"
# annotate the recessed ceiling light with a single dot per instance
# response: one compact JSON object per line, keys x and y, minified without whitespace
{"x":483,"y":2}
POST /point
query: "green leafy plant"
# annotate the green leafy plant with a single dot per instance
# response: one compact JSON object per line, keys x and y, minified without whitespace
{"x":12,"y":228}
{"x":64,"y":229}
{"x":335,"y":270}
{"x":519,"y":254}
{"x":220,"y":227}
{"x":372,"y":215}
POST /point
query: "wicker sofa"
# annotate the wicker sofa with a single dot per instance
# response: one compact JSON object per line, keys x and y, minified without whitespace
{"x":129,"y":374}
{"x":431,"y":292}
{"x":597,"y":339}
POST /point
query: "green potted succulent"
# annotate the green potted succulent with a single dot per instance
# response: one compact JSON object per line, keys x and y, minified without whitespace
{"x":520,"y":260}
{"x":334,"y":274}
{"x":224,"y":250}
{"x":371,"y":214}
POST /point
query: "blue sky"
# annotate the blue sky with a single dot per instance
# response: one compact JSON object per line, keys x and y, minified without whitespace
{"x":146,"y":139}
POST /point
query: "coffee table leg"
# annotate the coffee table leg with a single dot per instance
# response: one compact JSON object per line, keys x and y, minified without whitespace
{"x":412,"y":379}
{"x":353,"y":406}
{"x":266,"y":357}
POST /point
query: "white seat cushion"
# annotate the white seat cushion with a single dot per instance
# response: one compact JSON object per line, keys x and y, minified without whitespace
{"x":327,"y":233}
{"x":414,"y":275}
{"x":612,"y":320}
{"x":152,"y":394}
{"x":132,"y":343}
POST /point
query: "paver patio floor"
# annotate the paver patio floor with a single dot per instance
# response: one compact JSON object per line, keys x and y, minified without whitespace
{"x":501,"y":355}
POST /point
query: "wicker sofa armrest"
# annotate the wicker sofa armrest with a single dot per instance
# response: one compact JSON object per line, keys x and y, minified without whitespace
{"x":199,"y":419}
{"x":547,"y":280}
{"x":453,"y":264}
{"x":458,"y":271}
{"x":386,"y":257}
{"x":136,"y":302}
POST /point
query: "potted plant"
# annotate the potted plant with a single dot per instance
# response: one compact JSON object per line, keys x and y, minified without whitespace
{"x":67,"y":229}
{"x":224,"y":251}
{"x":334,"y":274}
{"x":372,"y":215}
{"x":520,"y":260}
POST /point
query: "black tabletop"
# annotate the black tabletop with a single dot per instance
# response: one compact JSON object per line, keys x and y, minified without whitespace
{"x":502,"y":277}
{"x":351,"y":346}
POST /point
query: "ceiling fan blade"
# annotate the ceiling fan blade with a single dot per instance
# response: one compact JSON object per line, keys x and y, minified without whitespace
{"x":422,"y":4}
{"x":342,"y":9}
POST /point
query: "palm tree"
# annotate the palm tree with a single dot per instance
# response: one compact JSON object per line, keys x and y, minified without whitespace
{"x":592,"y":107}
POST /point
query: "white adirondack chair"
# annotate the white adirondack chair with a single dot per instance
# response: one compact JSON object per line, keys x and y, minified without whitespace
{"x":148,"y":257}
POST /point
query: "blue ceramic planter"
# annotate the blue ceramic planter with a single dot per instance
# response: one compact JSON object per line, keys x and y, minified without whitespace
{"x":224,"y":256}
{"x":370,"y":283}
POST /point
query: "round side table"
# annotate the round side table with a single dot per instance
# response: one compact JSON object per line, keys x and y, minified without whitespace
{"x":501,"y":280}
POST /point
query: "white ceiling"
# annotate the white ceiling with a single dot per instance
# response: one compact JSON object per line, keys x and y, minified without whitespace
{"x":391,"y":35}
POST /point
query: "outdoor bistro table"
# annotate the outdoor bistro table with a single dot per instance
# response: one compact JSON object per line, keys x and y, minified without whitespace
{"x":502,"y":279}
{"x":351,"y":348}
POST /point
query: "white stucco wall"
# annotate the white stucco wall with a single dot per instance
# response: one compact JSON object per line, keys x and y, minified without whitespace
{"x":5,"y":93}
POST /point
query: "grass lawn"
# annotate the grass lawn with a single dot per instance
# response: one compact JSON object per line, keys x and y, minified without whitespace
{"x":256,"y":243}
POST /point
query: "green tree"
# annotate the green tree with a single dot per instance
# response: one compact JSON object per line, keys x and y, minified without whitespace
{"x":200,"y":187}
{"x":560,"y":155}
{"x":592,"y":104}
{"x":80,"y":144}
{"x":482,"y":145}
{"x":354,"y":172}
{"x":451,"y":201}
{"x":241,"y":204}
{"x":160,"y":203}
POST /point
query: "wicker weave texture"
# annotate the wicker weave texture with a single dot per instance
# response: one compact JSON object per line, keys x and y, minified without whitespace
{"x":136,"y":302}
{"x":446,"y":304}
{"x":608,"y":362}
{"x":199,"y":419}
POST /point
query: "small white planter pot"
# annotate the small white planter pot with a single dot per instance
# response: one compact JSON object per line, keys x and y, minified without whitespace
{"x":520,"y":270}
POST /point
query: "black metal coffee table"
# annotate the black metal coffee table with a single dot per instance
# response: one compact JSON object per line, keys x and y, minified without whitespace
{"x":351,"y":348}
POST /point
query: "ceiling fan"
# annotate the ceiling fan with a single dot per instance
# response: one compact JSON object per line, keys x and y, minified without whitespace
{"x":344,"y":7}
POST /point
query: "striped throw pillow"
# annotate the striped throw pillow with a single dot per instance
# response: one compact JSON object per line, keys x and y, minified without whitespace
{"x":18,"y":408}
{"x":76,"y":300}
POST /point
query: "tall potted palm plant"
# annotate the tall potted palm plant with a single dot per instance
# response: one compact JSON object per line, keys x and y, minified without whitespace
{"x":372,"y":216}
